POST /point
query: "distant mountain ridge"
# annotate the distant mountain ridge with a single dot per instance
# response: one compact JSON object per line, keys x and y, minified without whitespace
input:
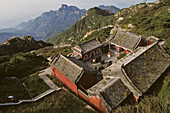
{"x":58,"y":20}
{"x":94,"y":18}
{"x":50,"y":23}
{"x":111,"y":8}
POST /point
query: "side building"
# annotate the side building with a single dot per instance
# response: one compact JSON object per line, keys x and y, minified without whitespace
{"x":89,"y":50}
{"x":125,"y":41}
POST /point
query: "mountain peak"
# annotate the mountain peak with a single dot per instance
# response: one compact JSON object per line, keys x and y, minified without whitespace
{"x":111,"y":8}
{"x":64,"y":6}
{"x":99,"y":11}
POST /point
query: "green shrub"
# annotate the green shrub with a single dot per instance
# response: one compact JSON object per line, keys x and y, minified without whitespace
{"x":21,"y":65}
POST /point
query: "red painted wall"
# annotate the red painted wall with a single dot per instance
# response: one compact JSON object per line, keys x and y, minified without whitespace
{"x":118,"y":49}
{"x":150,"y":42}
{"x":94,"y":101}
{"x":64,"y":80}
{"x":98,"y":103}
{"x":127,"y":51}
{"x":75,"y":53}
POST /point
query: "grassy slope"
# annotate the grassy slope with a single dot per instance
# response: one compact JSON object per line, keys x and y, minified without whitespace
{"x":149,"y":20}
{"x":94,"y":19}
{"x":20,"y":65}
{"x":101,"y":35}
{"x":12,"y":88}
{"x":34,"y":84}
{"x":50,"y":51}
{"x":58,"y":102}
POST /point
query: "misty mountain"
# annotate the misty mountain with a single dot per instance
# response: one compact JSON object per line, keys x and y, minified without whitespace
{"x":58,"y":20}
{"x":50,"y":23}
{"x":94,"y":18}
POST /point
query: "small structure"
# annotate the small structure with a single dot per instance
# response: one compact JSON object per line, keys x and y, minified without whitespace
{"x":11,"y":97}
{"x":77,"y":77}
{"x":125,"y":41}
{"x":89,"y":50}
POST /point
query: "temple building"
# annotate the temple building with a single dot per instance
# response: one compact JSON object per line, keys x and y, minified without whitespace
{"x":89,"y":50}
{"x":125,"y":42}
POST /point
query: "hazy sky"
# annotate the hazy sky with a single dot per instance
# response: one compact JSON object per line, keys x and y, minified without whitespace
{"x":13,"y":12}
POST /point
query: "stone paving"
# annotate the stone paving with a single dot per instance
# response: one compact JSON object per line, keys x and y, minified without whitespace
{"x":104,"y":57}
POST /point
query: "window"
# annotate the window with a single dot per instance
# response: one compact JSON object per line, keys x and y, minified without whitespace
{"x":99,"y":51}
{"x":86,"y":57}
{"x":92,"y":54}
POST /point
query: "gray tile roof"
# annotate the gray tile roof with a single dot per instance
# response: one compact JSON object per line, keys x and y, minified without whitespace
{"x":114,"y":93}
{"x":70,"y":67}
{"x":90,"y":45}
{"x":141,"y":68}
{"x":80,"y":64}
{"x":111,"y":91}
{"x":147,"y":67}
{"x":126,"y":40}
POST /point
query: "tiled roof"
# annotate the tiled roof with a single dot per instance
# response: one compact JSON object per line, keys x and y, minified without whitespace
{"x":90,"y":45}
{"x":126,"y":40}
{"x":114,"y":93}
{"x":147,"y":67}
{"x":80,"y":64}
{"x":111,"y":91}
{"x":70,"y":67}
{"x":141,"y":68}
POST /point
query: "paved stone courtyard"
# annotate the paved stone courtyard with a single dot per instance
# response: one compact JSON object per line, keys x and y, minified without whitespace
{"x":106,"y":59}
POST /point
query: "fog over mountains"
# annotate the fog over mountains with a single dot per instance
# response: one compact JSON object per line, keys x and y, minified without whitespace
{"x":49,"y":23}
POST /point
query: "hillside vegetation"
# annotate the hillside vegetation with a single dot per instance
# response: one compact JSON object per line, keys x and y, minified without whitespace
{"x":26,"y":88}
{"x":148,"y":19}
{"x":21,"y":65}
{"x":93,"y":19}
{"x":51,"y":52}
{"x":100,"y":35}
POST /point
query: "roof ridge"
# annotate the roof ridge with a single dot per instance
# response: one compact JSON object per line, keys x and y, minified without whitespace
{"x":132,"y":87}
{"x":70,"y":61}
{"x":86,"y":41}
{"x":140,"y":38}
{"x":145,"y":49}
{"x":109,"y":84}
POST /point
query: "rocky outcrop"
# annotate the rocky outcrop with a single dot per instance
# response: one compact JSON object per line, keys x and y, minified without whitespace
{"x":25,"y":44}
